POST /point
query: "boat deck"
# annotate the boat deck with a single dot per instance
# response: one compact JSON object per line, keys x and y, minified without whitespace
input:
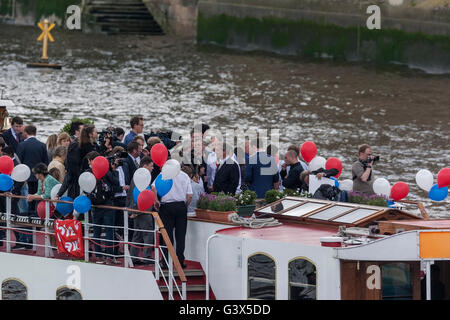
{"x":297,"y":233}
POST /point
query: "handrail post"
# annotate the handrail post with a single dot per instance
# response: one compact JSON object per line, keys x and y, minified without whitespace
{"x":170,"y":277}
{"x":156,"y":250}
{"x":46,"y":237}
{"x":127,"y":257}
{"x":8,"y":224}
{"x":207,"y":265}
{"x":86,"y":237}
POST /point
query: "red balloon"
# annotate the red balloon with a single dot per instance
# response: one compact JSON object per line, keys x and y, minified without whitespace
{"x":41,"y":209}
{"x":399,"y":190}
{"x":443,"y":178}
{"x":159,"y":154}
{"x":6,"y":165}
{"x":145,"y":200}
{"x":308,"y":150}
{"x":100,"y":167}
{"x":334,"y":163}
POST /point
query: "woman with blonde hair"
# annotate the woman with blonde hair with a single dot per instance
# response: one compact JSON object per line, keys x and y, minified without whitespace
{"x":51,"y":145}
{"x":63,"y":140}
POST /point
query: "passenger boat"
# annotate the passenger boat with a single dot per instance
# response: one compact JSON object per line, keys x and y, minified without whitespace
{"x":322,"y":250}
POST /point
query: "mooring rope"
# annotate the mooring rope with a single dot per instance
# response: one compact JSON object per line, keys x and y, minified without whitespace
{"x":253,"y":222}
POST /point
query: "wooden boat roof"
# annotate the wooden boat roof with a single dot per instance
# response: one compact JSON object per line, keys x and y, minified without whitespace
{"x":331,"y":213}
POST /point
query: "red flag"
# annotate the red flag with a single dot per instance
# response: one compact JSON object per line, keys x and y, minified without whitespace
{"x":69,"y":237}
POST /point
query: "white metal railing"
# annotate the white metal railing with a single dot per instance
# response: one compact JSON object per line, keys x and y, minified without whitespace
{"x":14,"y":223}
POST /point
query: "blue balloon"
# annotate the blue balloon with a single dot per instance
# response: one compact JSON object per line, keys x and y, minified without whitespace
{"x":438,"y":194}
{"x":65,"y":208}
{"x":163,"y":186}
{"x":336,"y":182}
{"x":136,"y":193}
{"x":82,"y":204}
{"x":6,"y":182}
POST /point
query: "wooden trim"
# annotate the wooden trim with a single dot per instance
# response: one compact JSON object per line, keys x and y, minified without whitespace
{"x":387,"y":211}
{"x":169,"y":245}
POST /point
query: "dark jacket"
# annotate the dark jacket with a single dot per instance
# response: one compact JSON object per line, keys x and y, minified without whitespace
{"x":292,"y":180}
{"x":129,"y":167}
{"x":111,"y":181}
{"x":31,"y":152}
{"x":227,"y":178}
{"x":261,"y":172}
{"x":10,"y":140}
{"x":73,"y":167}
{"x":84,"y":150}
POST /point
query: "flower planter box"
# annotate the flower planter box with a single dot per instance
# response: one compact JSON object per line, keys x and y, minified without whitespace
{"x":202,"y":213}
{"x":246,"y":211}
{"x":219,"y":216}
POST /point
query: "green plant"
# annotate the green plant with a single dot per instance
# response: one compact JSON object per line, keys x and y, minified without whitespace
{"x":66,"y":127}
{"x":222,"y":203}
{"x":246,"y":198}
{"x":290,"y":193}
{"x":273,"y":195}
{"x":203,"y":201}
{"x":306,"y":194}
{"x":373,"y":200}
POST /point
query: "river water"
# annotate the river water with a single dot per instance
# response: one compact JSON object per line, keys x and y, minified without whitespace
{"x":404,"y":114}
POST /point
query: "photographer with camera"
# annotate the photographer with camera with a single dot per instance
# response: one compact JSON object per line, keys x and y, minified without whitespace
{"x":362,"y":174}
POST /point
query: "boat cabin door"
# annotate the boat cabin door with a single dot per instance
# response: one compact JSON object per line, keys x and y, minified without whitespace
{"x":373,"y":280}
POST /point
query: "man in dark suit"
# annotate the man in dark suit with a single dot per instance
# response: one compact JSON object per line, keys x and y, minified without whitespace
{"x":227,"y":174}
{"x":31,"y":152}
{"x":13,"y":135}
{"x":261,"y":171}
{"x":131,"y":164}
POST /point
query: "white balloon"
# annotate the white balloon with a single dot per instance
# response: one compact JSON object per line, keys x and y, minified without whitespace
{"x":55,"y":191}
{"x":346,"y":185}
{"x":87,"y":182}
{"x":142,"y":178}
{"x":317,"y":163}
{"x":170,"y":169}
{"x":382,"y":186}
{"x":424,"y":179}
{"x":21,"y":173}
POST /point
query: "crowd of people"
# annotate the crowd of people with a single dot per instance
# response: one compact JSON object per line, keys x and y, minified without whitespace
{"x":212,"y":167}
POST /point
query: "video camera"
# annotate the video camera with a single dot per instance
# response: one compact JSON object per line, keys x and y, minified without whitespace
{"x":108,"y":133}
{"x":121,"y":156}
{"x":165,"y":136}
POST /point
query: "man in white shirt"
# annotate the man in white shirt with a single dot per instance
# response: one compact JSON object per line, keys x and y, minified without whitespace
{"x":173,"y":212}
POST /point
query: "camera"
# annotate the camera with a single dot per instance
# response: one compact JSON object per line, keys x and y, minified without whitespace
{"x":121,"y":156}
{"x":105,"y":134}
{"x":369,"y":159}
{"x":165,"y":136}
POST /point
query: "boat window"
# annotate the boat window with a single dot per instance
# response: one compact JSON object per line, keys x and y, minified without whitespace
{"x":330,"y":212}
{"x":280,"y":205}
{"x":13,"y":290}
{"x":302,"y":280}
{"x":304,"y":209}
{"x":396,"y":281}
{"x":355,"y":215}
{"x":261,"y":277}
{"x":66,"y":293}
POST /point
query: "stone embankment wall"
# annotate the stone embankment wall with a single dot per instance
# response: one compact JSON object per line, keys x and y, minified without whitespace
{"x":416,"y":33}
{"x":28,"y":12}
